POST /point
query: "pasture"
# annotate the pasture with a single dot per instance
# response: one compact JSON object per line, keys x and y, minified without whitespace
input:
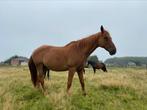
{"x":119,"y":89}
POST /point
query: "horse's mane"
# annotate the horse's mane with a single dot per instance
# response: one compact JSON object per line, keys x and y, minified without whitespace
{"x":70,"y":43}
{"x":87,"y":45}
{"x":84,"y":41}
{"x":87,"y":41}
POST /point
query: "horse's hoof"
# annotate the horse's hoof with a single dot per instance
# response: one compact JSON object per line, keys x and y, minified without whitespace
{"x":45,"y":93}
{"x":68,"y":93}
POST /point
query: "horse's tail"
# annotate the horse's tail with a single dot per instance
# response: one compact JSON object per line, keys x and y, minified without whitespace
{"x":33,"y":71}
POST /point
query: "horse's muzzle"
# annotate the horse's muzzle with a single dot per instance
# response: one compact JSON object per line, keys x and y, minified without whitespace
{"x":112,"y":52}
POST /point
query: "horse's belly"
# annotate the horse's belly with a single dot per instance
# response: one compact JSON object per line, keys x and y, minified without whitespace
{"x":56,"y":60}
{"x":57,"y":67}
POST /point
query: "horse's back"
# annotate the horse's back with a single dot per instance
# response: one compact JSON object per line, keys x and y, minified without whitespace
{"x":38,"y":54}
{"x":58,"y":58}
{"x":50,"y":56}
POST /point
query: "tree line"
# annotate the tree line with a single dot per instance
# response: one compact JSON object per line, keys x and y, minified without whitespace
{"x":116,"y":61}
{"x":126,"y":61}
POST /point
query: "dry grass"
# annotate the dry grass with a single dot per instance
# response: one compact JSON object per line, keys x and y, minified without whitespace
{"x":120,"y":88}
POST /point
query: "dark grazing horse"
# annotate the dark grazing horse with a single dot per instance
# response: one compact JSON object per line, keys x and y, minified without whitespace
{"x":71,"y":57}
{"x":97,"y":65}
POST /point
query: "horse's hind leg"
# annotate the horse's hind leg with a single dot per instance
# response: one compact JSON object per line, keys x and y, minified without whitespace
{"x":40,"y":70}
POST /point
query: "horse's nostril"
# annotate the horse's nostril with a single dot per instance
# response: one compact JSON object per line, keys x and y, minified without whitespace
{"x":113,"y":52}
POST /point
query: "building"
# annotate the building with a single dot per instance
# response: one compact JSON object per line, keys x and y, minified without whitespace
{"x":19,"y":61}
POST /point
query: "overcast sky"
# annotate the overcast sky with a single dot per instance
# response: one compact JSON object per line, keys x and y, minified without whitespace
{"x":27,"y":24}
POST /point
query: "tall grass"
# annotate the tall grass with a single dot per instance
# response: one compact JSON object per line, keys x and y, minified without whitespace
{"x":119,"y":89}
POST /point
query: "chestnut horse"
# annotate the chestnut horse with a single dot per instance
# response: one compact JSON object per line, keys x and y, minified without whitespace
{"x":97,"y":65}
{"x":71,"y":57}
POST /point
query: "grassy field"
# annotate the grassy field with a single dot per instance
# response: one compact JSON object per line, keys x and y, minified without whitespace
{"x":119,"y":89}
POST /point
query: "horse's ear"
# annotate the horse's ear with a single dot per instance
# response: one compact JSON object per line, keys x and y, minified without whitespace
{"x":102,"y":28}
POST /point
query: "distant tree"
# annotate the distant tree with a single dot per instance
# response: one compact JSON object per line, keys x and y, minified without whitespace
{"x":124,"y":61}
{"x":93,"y":58}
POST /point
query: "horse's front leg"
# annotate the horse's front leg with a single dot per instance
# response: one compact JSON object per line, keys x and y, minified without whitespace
{"x":70,"y":78}
{"x":80,"y":74}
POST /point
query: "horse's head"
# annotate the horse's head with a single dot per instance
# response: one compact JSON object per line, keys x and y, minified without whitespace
{"x":105,"y":41}
{"x":104,"y":67}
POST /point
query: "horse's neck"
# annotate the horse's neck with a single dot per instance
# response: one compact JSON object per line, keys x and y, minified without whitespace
{"x":88,"y":45}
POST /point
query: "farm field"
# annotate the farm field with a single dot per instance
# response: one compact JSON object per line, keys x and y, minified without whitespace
{"x":119,"y":89}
